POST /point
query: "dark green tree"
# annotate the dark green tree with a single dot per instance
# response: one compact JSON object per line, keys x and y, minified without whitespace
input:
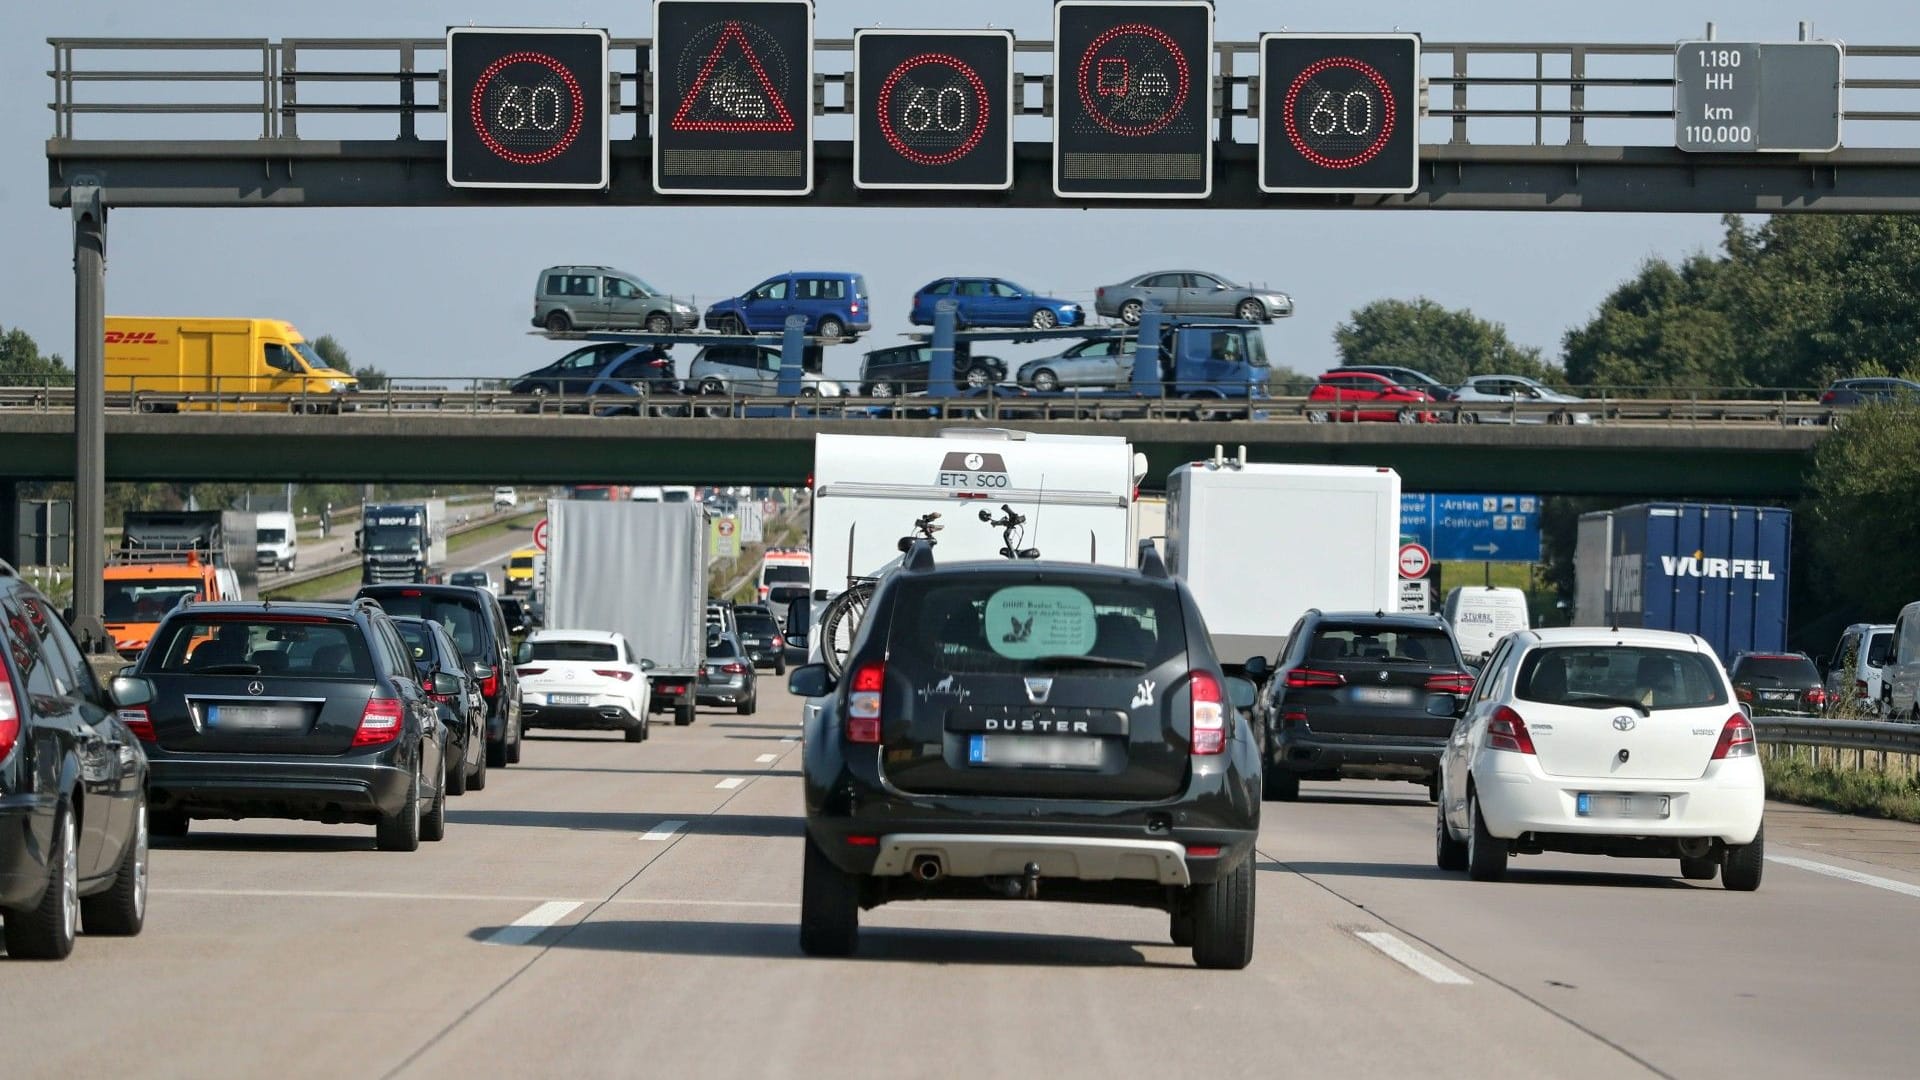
{"x":334,"y":353}
{"x":22,"y":364}
{"x":1446,"y":344}
{"x":1863,"y":518}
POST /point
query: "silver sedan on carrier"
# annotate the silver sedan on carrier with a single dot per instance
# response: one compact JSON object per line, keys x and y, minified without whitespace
{"x":1190,"y":292}
{"x":1102,"y":363}
{"x":1497,"y":393}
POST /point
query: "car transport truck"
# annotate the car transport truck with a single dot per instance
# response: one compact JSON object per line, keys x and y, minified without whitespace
{"x":638,"y":569}
{"x":1259,"y":545}
{"x":402,"y":541}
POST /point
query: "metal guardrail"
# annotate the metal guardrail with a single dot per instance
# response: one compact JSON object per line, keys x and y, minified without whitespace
{"x":1503,"y":94}
{"x":1699,"y":409}
{"x":1862,"y":735}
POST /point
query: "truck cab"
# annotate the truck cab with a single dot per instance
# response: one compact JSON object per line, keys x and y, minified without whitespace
{"x":140,"y":591}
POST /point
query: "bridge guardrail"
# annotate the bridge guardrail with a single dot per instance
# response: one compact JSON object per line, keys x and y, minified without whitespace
{"x":1863,"y":737}
{"x":1701,"y":408}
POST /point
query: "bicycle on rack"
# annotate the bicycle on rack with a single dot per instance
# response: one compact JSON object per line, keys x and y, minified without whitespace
{"x":840,"y":622}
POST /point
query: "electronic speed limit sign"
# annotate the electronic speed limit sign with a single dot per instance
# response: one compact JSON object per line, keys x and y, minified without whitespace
{"x":934,"y":109}
{"x":1340,"y":113}
{"x":527,"y":108}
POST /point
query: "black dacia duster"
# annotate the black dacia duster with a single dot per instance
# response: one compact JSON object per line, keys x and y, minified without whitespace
{"x":1032,"y":730}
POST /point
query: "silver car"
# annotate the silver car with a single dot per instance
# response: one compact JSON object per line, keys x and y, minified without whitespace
{"x":602,"y":298}
{"x":1090,"y":363}
{"x":748,"y":371}
{"x":1501,"y":391}
{"x":1190,"y":292}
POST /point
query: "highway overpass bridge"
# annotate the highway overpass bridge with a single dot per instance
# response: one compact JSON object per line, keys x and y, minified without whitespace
{"x":1723,"y":461}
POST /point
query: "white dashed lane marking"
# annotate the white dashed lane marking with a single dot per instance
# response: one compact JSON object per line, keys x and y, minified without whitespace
{"x":730,"y":783}
{"x":766,"y":759}
{"x":664,"y":830}
{"x":533,"y":923}
{"x":1413,"y":959}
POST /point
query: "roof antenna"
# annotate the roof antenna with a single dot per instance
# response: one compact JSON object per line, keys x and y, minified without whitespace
{"x":1038,"y":506}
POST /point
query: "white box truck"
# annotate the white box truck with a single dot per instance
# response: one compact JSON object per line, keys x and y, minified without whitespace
{"x":276,"y":540}
{"x":638,"y":569}
{"x":1076,"y":492}
{"x":1259,"y":545}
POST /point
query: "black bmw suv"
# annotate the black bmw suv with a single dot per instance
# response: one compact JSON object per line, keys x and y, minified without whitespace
{"x":1032,"y":730}
{"x":306,"y":711}
{"x":1359,"y":694}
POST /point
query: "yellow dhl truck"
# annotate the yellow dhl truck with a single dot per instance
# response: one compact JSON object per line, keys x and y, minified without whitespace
{"x":215,"y":359}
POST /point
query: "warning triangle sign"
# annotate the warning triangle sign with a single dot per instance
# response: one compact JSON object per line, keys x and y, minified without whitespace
{"x":733,"y":92}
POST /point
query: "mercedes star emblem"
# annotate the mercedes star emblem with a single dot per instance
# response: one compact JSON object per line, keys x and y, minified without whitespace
{"x":256,"y":688}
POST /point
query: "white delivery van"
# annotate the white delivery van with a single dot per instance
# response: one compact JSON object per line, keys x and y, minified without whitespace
{"x":276,"y":540}
{"x":1076,"y":492}
{"x":1260,"y":545}
{"x":1482,"y":615}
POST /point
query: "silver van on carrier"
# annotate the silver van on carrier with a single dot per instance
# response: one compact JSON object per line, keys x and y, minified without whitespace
{"x":603,"y":298}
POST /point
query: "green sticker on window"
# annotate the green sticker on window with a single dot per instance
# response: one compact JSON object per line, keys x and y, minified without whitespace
{"x":1028,"y":621}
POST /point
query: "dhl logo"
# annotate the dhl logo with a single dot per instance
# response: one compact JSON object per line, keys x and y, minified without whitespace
{"x":133,"y":337}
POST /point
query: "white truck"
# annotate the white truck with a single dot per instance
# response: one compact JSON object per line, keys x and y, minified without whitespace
{"x":638,"y":569}
{"x":1075,"y":491}
{"x":1259,"y":545}
{"x":276,"y":539}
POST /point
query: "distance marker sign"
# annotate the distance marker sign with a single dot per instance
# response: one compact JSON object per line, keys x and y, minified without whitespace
{"x":526,"y":108}
{"x":733,"y":97}
{"x":1339,"y":113}
{"x":934,"y":109}
{"x":1133,"y":100}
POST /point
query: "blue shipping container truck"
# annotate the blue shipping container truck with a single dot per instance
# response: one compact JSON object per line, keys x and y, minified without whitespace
{"x":1716,"y":571}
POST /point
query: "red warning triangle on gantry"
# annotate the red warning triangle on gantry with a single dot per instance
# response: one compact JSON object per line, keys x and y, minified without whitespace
{"x":733,"y":92}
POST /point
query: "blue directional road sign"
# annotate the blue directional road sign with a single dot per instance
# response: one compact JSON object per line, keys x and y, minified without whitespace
{"x":1473,"y":528}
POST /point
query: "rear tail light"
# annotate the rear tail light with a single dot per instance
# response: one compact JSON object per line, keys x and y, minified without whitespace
{"x":779,"y":642}
{"x":1308,"y":678}
{"x":1736,"y":739}
{"x":1506,"y":731}
{"x":1743,"y":693}
{"x":444,"y":699}
{"x":1202,"y":851}
{"x":411,"y":592}
{"x":380,"y":723}
{"x":1827,"y":398}
{"x":863,"y":703}
{"x":136,"y":719}
{"x":1817,"y":696}
{"x":490,"y":684}
{"x":1457,"y":683}
{"x":9,"y":714}
{"x":613,"y":673}
{"x":735,"y":668}
{"x":527,"y":672}
{"x":1209,"y":714}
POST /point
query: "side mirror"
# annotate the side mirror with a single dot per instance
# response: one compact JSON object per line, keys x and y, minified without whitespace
{"x":647,"y":665}
{"x":480,"y":671}
{"x":443,"y":684}
{"x":1258,"y":669}
{"x":130,"y":690}
{"x":1446,"y":705}
{"x":810,"y":680}
{"x":1240,"y":692}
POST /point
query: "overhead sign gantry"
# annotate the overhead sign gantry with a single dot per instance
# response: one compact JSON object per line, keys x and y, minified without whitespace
{"x":933,"y":109}
{"x":733,"y":97}
{"x":1133,"y":100}
{"x":1339,"y":113}
{"x":527,"y":108}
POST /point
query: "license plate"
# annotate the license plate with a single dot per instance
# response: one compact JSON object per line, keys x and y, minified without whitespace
{"x":569,"y":699}
{"x":1065,"y":752}
{"x":1776,"y":695}
{"x":1383,"y":695}
{"x":1607,"y":804}
{"x":252,"y":717}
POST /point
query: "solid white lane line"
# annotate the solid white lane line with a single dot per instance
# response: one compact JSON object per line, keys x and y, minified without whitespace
{"x":766,"y":759}
{"x":1413,"y":959}
{"x":730,"y":783}
{"x":789,"y":738}
{"x":663,"y":830}
{"x":533,"y":923}
{"x":343,"y":894}
{"x":1841,"y":872}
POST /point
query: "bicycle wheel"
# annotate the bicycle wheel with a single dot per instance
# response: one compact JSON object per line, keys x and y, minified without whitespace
{"x":840,"y":623}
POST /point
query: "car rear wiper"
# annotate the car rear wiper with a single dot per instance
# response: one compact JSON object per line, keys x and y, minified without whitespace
{"x":228,"y":669}
{"x":1090,"y":661}
{"x":1608,"y":702}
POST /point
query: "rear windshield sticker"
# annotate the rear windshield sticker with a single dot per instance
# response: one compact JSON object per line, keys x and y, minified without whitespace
{"x":1028,"y":621}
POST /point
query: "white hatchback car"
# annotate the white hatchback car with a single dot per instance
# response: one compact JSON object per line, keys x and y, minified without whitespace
{"x":583,"y":679}
{"x":1603,"y":742}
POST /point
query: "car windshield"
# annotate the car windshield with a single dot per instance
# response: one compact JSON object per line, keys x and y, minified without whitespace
{"x":991,"y":624}
{"x":757,"y":624}
{"x":145,"y":599}
{"x":1880,"y":649}
{"x":721,"y":648}
{"x":385,"y":539}
{"x":521,"y":562}
{"x":470,"y":578}
{"x":1776,"y":670}
{"x":566,"y":649}
{"x":315,"y":361}
{"x":462,"y":621}
{"x":1599,"y":676}
{"x":774,"y":574}
{"x":1362,"y":643}
{"x":270,"y":536}
{"x":297,"y":646}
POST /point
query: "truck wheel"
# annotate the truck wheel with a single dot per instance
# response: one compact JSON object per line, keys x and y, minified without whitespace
{"x":1740,"y":870}
{"x":1223,"y":920}
{"x":683,"y":714}
{"x":1279,"y":785}
{"x":829,"y":906}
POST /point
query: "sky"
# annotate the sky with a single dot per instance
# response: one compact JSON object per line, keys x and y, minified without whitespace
{"x":446,"y":293}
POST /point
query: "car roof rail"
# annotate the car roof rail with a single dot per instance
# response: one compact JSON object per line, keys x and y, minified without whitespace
{"x":1151,"y":564}
{"x":919,"y":557}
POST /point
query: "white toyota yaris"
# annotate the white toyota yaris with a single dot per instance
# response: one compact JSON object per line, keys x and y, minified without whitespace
{"x":1603,"y":742}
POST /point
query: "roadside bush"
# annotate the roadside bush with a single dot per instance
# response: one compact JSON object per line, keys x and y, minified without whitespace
{"x":1850,"y":791}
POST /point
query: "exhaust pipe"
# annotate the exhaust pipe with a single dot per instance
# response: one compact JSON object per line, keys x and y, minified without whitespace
{"x":927,"y":868}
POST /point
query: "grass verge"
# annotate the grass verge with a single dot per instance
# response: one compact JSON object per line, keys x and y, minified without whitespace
{"x":1893,"y":795}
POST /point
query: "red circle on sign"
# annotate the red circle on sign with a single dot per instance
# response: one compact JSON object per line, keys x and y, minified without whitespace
{"x":477,"y":108}
{"x":1414,"y":561}
{"x":1387,"y":122}
{"x":726,"y":526}
{"x":540,"y":535}
{"x":1112,"y":75}
{"x":899,"y":140}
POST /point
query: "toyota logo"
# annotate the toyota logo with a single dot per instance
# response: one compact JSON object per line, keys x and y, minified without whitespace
{"x":1623,"y":723}
{"x":256,"y":688}
{"x":1383,"y":676}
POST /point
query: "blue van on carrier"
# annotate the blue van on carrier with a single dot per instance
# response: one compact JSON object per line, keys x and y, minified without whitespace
{"x":834,"y":303}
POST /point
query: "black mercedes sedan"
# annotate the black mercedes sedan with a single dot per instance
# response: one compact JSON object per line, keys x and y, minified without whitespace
{"x":306,"y":711}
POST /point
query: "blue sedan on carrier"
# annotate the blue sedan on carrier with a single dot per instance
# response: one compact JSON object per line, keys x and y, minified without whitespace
{"x":995,"y":302}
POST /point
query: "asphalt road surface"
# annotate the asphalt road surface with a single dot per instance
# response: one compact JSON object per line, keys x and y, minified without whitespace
{"x":614,"y":909}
